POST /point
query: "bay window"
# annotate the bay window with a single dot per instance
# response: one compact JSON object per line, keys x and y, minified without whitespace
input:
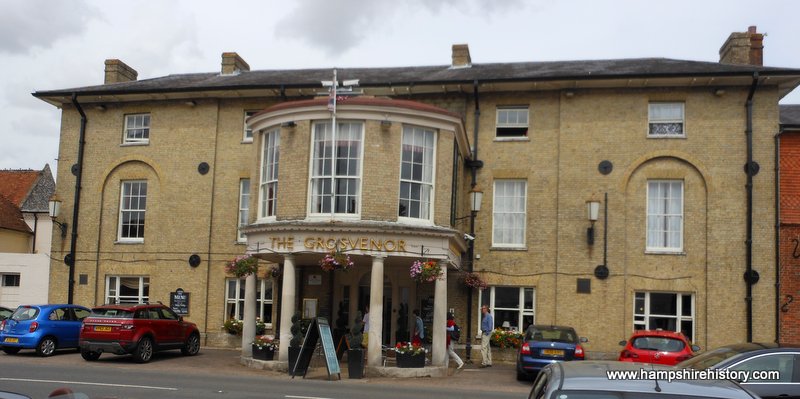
{"x":336,"y":169}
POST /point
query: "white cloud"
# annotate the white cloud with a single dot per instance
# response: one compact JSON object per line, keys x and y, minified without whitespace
{"x":29,"y":24}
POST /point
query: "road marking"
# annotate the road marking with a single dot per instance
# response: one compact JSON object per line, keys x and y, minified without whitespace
{"x":88,"y":383}
{"x":304,"y":397}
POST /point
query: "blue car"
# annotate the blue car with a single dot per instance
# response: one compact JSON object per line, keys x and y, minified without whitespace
{"x":545,"y":344}
{"x":44,"y":328}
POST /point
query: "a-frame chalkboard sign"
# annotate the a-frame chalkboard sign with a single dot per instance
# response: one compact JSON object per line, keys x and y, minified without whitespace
{"x":319,"y":328}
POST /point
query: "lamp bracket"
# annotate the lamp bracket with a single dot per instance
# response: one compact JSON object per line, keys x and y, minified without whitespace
{"x":474,"y":163}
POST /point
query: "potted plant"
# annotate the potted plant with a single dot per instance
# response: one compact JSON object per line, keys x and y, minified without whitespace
{"x":336,"y":260}
{"x":425,"y":272}
{"x":242,"y":265}
{"x":233,"y":326}
{"x":264,"y":347}
{"x":355,"y":355}
{"x":261,"y":327}
{"x":410,"y":355}
{"x":296,"y":343}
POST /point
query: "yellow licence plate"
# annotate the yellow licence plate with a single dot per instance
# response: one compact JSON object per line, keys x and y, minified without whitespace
{"x":11,"y":340}
{"x":102,"y":328}
{"x":553,"y":352}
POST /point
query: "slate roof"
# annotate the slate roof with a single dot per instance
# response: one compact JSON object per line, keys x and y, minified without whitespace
{"x":24,"y":191}
{"x":441,"y":74}
{"x":790,"y":115}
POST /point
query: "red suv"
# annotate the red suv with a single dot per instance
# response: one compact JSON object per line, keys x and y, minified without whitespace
{"x":138,"y":329}
{"x":657,"y":346}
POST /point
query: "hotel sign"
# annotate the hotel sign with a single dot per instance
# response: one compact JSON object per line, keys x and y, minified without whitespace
{"x":343,"y":244}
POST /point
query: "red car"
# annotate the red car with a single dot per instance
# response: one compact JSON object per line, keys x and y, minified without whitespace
{"x":657,"y":346}
{"x":138,"y":329}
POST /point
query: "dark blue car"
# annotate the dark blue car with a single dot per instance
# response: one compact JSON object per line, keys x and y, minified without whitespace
{"x":44,"y":328}
{"x":545,"y":344}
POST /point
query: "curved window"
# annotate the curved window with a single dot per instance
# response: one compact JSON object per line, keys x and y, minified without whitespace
{"x":416,"y":173}
{"x":336,"y":177}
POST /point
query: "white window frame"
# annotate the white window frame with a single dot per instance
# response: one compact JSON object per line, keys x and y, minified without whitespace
{"x":268,"y":185}
{"x":521,"y":120}
{"x":316,"y":176}
{"x":123,"y":210}
{"x":427,"y":181}
{"x":501,"y":200}
{"x":654,"y":217}
{"x":641,"y":320}
{"x":15,"y":277}
{"x":233,"y":299}
{"x":114,"y":283}
{"x":523,"y":311}
{"x":244,"y":209}
{"x":137,"y":125}
{"x":247,"y":132}
{"x":663,"y":123}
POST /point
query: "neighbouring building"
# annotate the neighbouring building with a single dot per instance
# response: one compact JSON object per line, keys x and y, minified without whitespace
{"x":25,"y":236}
{"x":788,"y":142}
{"x":676,"y":160}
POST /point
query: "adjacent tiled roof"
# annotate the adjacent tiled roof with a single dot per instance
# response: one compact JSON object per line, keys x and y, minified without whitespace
{"x":15,"y":185}
{"x":11,"y":217}
{"x":790,"y":115}
{"x":442,"y":74}
{"x":23,"y":191}
{"x":39,"y":197}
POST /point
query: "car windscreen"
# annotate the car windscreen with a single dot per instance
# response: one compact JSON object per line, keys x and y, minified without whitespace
{"x":661,"y":344}
{"x":552,"y":335}
{"x":114,"y":313}
{"x":709,"y":359}
{"x":25,"y":313}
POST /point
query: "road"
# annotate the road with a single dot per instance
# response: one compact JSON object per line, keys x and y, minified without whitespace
{"x":217,"y":373}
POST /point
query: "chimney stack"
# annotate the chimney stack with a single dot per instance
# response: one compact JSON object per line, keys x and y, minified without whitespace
{"x":117,"y":71}
{"x":461,"y":58}
{"x":743,"y":48}
{"x":232,"y":64}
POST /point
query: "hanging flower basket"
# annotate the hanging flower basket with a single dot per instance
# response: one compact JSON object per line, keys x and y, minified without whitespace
{"x":474,"y":280}
{"x":242,"y":265}
{"x":336,"y":260}
{"x":425,"y":272}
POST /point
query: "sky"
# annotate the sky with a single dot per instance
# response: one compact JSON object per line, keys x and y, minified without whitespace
{"x":55,"y":44}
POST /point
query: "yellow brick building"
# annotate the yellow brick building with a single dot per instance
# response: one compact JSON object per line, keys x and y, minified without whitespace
{"x":179,"y":174}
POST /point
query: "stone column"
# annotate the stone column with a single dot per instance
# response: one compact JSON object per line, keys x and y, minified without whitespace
{"x":374,"y":353}
{"x":439,"y":350}
{"x":249,"y":322}
{"x":288,"y":299}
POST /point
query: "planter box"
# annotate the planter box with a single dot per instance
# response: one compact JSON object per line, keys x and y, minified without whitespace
{"x":405,"y":360}
{"x":355,"y":363}
{"x":263,"y":354}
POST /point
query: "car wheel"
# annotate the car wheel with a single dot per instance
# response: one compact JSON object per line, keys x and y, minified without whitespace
{"x":89,"y":355}
{"x":11,"y":351}
{"x":144,"y":351}
{"x":192,"y":345}
{"x":46,"y":347}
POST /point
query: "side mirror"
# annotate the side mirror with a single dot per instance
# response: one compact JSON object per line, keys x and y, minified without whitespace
{"x":584,"y":340}
{"x":623,"y":342}
{"x":695,"y":348}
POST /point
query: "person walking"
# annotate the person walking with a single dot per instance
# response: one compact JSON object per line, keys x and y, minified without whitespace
{"x":487,"y":325}
{"x":419,"y":329}
{"x":451,"y":327}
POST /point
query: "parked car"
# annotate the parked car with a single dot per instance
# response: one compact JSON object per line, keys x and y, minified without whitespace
{"x":42,"y":327}
{"x":5,"y":312}
{"x":749,"y":357}
{"x":657,"y":346}
{"x":137,"y":329}
{"x":545,"y":344}
{"x":591,"y":380}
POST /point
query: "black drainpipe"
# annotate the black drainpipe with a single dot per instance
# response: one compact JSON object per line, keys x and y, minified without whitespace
{"x":777,"y":236}
{"x":474,"y":164}
{"x":78,"y":171}
{"x":751,"y":168}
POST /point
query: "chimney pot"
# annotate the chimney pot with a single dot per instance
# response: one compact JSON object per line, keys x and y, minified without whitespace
{"x":117,"y":71}
{"x":461,"y":57}
{"x":232,"y":64}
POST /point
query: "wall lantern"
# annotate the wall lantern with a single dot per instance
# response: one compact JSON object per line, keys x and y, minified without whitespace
{"x":55,"y":208}
{"x":475,"y":198}
{"x":593,"y":213}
